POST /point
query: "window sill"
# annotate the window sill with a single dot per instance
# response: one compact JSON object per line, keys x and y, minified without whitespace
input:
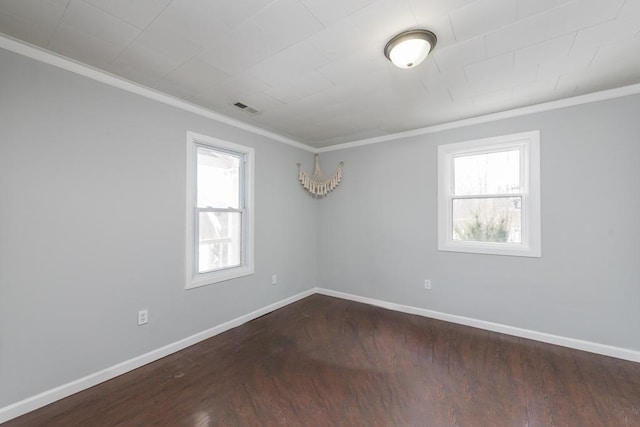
{"x":504,"y":249}
{"x":218,"y":276}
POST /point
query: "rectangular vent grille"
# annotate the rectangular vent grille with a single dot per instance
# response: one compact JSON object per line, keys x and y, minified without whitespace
{"x":245,"y":107}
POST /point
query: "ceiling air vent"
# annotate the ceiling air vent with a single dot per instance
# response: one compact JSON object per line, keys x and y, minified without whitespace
{"x":245,"y":107}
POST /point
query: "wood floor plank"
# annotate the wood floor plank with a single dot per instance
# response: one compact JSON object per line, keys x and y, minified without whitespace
{"x":325,"y":361}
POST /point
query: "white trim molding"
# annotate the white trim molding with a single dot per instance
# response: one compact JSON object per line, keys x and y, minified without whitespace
{"x":42,"y":55}
{"x":34,"y":52}
{"x":592,"y":347}
{"x":517,"y":112}
{"x":34,"y":402}
{"x":527,"y":144}
{"x":195,"y":279}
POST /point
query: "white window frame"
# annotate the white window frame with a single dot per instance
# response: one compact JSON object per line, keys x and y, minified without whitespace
{"x":195,"y":279}
{"x":529,"y":145}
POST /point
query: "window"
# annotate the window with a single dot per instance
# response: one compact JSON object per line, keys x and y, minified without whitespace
{"x":489,"y":195}
{"x":219,"y":210}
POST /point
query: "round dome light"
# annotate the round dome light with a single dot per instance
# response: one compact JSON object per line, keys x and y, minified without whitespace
{"x":408,"y":49}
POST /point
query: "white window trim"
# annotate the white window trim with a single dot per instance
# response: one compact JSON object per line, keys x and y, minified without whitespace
{"x":193,"y":278}
{"x":530,"y":172}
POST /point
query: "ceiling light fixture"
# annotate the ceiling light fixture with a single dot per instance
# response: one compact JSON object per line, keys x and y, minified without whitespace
{"x":410,"y":48}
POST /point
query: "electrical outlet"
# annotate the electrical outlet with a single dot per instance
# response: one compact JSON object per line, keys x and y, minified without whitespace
{"x":427,"y":284}
{"x":274,"y":279}
{"x":143,"y":317}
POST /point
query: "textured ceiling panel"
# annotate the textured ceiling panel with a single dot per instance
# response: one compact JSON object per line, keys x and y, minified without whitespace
{"x":315,"y":71}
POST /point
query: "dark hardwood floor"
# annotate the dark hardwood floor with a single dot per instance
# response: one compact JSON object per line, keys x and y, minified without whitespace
{"x":328,"y":362}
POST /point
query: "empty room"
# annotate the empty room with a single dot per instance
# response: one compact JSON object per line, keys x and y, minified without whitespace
{"x":319,"y":213}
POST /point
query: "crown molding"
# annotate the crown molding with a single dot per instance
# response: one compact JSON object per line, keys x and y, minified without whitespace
{"x":517,"y":112}
{"x":39,"y":54}
{"x":34,"y":52}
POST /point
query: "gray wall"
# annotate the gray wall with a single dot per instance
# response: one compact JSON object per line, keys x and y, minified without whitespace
{"x":92,"y":217}
{"x":377,"y":233}
{"x":92,"y":227}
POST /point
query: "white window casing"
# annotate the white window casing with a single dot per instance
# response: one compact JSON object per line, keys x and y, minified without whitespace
{"x":524,"y":239}
{"x":243,"y":212}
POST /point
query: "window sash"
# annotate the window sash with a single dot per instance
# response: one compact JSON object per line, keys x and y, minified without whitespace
{"x":242,"y":202}
{"x":522,"y":147}
{"x":528,"y":145}
{"x":502,"y":148}
{"x":197,"y":241}
{"x":489,"y":196}
{"x":243,"y":227}
{"x":490,"y":222}
{"x":242,"y":210}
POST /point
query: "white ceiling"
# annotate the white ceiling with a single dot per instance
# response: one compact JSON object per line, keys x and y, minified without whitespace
{"x":315,"y":69}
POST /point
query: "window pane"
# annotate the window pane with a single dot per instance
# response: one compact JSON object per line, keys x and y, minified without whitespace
{"x":218,"y":183}
{"x":488,"y":173}
{"x":219,"y":240}
{"x":488,"y":220}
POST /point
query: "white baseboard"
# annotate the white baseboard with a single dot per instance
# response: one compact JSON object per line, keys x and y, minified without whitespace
{"x":606,"y":350}
{"x":34,"y":402}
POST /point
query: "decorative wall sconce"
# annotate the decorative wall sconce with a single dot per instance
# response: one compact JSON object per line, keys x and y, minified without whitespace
{"x":318,"y":185}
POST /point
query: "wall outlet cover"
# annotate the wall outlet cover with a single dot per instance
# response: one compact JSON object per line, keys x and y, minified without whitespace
{"x":143,"y":317}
